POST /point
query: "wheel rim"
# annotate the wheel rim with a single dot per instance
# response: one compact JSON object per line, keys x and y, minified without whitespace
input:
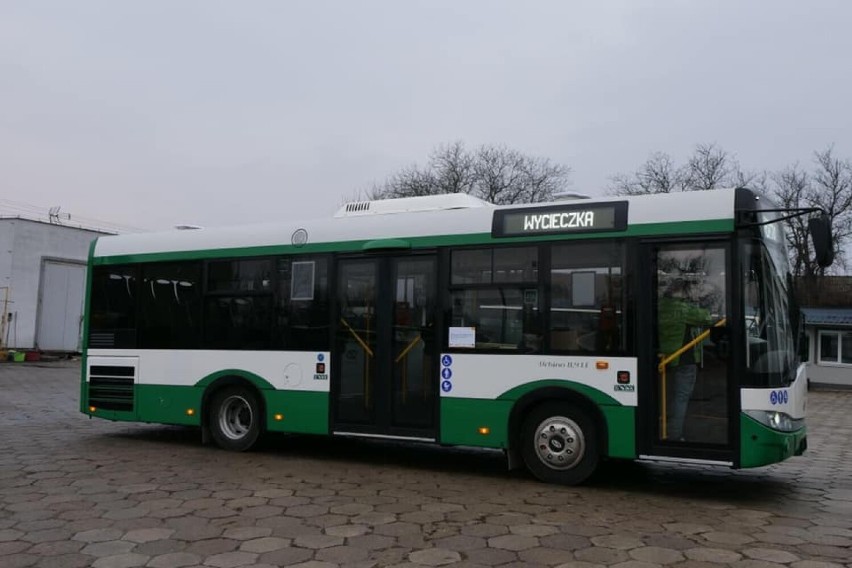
{"x":235,"y":417}
{"x":559,"y":443}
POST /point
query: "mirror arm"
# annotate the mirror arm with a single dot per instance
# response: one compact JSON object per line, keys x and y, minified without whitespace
{"x":791,"y":213}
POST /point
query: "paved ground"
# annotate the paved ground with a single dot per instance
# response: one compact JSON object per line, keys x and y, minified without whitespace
{"x":80,"y":492}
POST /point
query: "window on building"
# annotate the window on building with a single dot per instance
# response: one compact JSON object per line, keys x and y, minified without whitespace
{"x":112,"y":320}
{"x":170,"y":298}
{"x":495,"y":291}
{"x":835,"y":347}
{"x":586,"y":305}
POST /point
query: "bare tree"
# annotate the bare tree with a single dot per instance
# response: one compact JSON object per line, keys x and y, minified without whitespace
{"x":828,"y":187}
{"x":657,"y":175}
{"x":792,"y":190}
{"x":495,"y":173}
{"x":833,"y":182}
{"x":709,"y":167}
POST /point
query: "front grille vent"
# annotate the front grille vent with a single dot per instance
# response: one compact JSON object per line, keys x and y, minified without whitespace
{"x":111,"y":387}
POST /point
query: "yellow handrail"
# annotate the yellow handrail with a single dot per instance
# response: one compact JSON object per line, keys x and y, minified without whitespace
{"x":364,"y":346}
{"x":408,"y":348}
{"x":399,"y":358}
{"x":666,"y":359}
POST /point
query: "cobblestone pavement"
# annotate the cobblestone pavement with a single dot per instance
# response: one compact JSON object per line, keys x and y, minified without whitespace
{"x":80,"y":492}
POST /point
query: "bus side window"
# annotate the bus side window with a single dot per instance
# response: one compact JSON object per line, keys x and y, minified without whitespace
{"x":586,"y":298}
{"x":494,"y":290}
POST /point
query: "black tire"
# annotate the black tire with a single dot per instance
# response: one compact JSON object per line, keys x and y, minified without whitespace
{"x":235,"y":418}
{"x":559,"y":443}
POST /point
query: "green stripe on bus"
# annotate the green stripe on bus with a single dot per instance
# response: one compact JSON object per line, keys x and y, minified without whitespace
{"x":461,"y":419}
{"x":621,"y":431}
{"x":591,"y":393}
{"x":648,"y":229}
{"x":168,"y":404}
{"x":254,"y":379}
{"x":303,"y":412}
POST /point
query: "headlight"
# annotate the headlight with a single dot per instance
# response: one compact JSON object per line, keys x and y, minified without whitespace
{"x":776,"y":420}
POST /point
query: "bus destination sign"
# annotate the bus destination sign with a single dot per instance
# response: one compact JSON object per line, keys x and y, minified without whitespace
{"x":560,"y":219}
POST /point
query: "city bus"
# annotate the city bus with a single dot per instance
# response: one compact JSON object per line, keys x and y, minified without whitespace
{"x":534,"y":329}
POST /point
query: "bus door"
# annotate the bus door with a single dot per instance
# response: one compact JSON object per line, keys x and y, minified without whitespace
{"x":688,"y":394}
{"x":383,"y":381}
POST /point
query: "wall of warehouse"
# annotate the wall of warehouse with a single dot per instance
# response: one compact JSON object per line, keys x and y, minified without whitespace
{"x":25,"y":246}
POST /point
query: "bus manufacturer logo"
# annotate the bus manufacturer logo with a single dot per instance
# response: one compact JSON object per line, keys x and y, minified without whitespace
{"x":625,"y":388}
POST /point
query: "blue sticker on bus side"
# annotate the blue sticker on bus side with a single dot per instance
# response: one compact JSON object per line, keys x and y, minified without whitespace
{"x":320,"y":357}
{"x":446,"y":360}
{"x":446,"y":386}
{"x":447,"y":373}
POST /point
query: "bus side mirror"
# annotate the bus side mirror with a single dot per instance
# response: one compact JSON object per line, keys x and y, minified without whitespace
{"x":820,"y":229}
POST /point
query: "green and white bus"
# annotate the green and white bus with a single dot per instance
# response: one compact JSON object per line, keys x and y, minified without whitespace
{"x":448,"y":320}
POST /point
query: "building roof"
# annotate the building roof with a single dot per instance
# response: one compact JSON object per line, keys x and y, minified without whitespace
{"x":839,"y":317}
{"x":61,"y":226}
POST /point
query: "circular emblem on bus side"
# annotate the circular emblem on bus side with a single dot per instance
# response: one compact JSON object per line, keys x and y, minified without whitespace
{"x":299,"y":238}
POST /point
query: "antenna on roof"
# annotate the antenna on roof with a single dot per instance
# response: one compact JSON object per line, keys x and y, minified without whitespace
{"x":188,"y":227}
{"x":53,"y":215}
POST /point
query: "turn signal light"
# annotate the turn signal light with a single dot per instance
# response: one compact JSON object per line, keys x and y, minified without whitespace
{"x":484,"y":430}
{"x":92,"y":409}
{"x":602,"y":365}
{"x":190,"y":412}
{"x":278,"y":417}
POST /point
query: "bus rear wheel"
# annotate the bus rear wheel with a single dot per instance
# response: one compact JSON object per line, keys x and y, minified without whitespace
{"x":234,"y":418}
{"x":559,"y":443}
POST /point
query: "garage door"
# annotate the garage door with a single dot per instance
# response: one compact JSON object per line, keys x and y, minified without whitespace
{"x":61,"y":306}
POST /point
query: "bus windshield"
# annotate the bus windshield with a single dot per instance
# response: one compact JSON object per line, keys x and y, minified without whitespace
{"x":770,"y":340}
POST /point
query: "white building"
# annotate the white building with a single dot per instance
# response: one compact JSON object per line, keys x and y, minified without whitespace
{"x":42,"y":284}
{"x":829,"y":332}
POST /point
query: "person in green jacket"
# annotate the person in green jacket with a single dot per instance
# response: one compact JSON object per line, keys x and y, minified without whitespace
{"x":677,"y":317}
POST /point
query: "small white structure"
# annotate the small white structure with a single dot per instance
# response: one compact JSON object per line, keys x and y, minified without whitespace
{"x":42,"y":284}
{"x":829,"y":332}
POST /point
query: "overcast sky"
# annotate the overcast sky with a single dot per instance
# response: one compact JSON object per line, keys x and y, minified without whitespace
{"x":153,"y":113}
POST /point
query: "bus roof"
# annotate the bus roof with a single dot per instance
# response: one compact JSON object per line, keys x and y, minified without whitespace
{"x":463,"y":220}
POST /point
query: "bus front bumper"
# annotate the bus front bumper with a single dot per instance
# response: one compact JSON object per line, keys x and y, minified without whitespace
{"x":761,"y":445}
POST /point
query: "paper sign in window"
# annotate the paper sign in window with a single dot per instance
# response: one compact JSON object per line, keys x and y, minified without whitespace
{"x":463,"y":337}
{"x":583,"y":289}
{"x":302,"y":283}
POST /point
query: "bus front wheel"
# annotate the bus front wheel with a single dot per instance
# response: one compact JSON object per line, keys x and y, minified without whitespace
{"x":559,"y":443}
{"x":234,"y":418}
